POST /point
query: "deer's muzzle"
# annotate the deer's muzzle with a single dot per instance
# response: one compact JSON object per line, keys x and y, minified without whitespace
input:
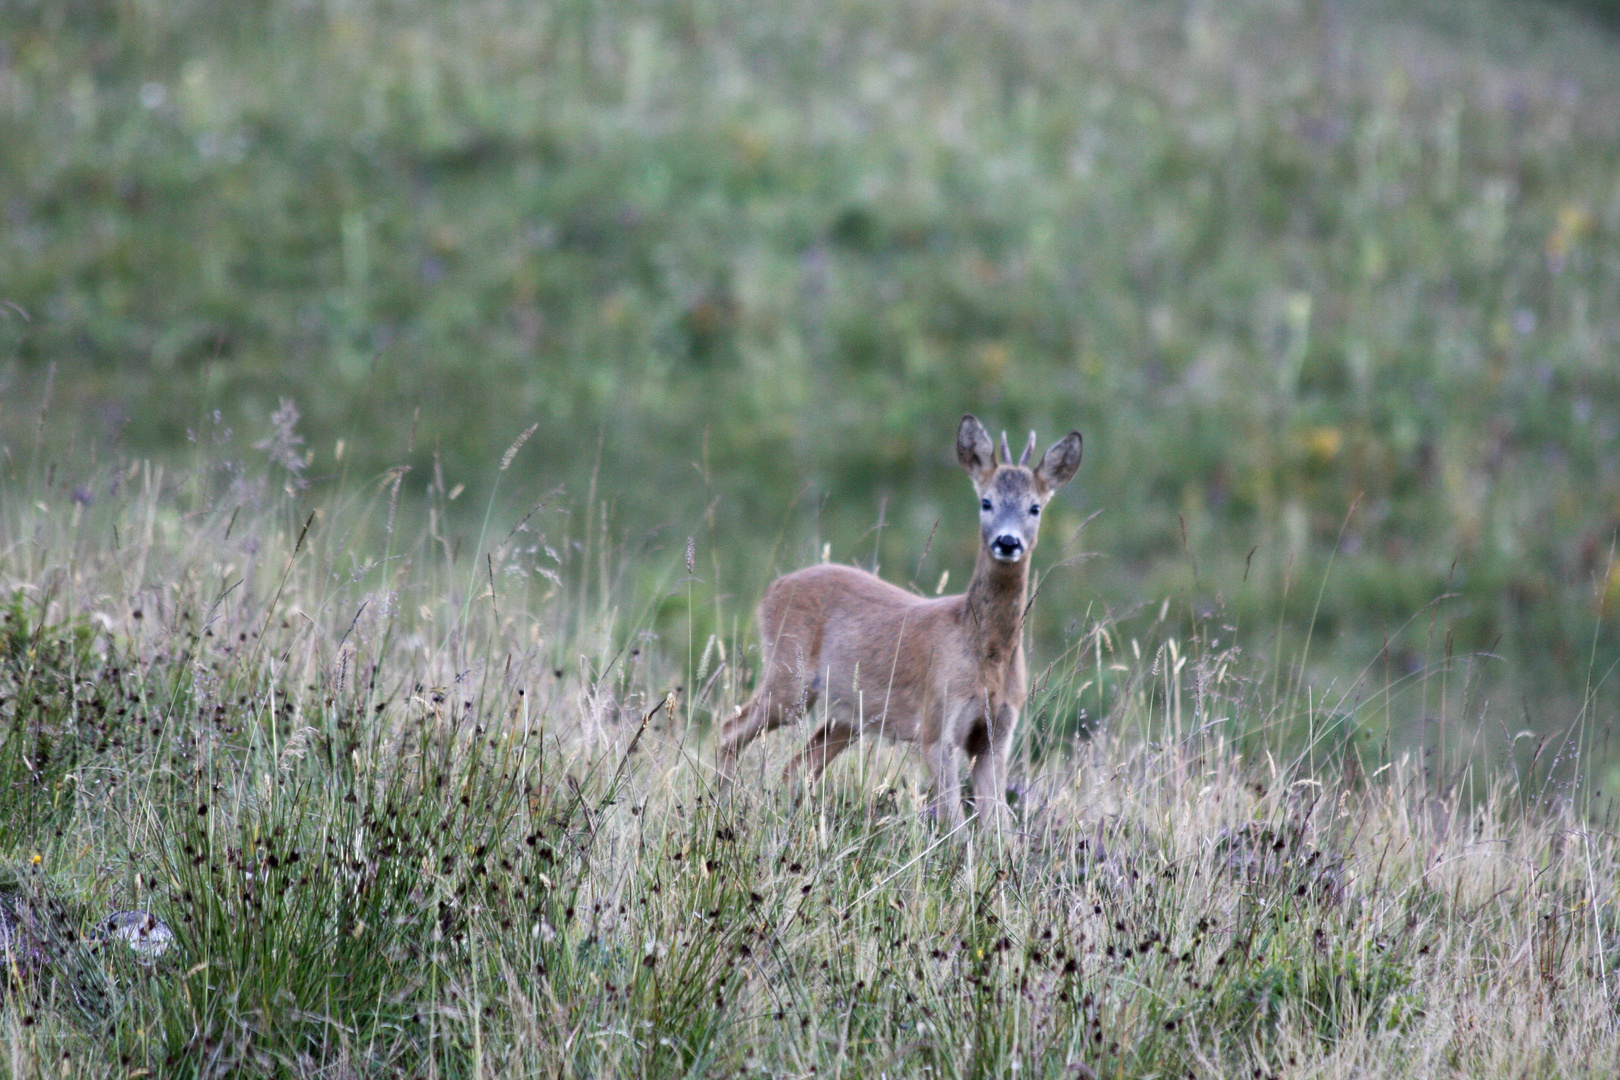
{"x":1007,"y":548}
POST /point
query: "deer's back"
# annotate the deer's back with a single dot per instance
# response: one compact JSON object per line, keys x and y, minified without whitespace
{"x":832,"y":593}
{"x":857,"y":631}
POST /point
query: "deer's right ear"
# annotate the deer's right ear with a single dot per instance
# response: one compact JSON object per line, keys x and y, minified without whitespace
{"x":975,"y":450}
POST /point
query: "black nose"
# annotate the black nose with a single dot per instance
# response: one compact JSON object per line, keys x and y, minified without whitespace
{"x":1006,"y":546}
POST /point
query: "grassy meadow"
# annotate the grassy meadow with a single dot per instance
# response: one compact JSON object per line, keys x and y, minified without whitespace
{"x":414,"y":814}
{"x":403,"y":405}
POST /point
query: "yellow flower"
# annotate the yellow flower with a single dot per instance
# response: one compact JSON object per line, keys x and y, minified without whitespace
{"x":1323,"y":443}
{"x":1573,"y":223}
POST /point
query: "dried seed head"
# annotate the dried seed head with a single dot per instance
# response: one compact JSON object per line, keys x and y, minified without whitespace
{"x":511,"y":451}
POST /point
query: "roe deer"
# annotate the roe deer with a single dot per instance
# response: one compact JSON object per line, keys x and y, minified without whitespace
{"x":947,"y":673}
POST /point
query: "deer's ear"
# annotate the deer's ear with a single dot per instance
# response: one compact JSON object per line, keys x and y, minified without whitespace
{"x":974,"y":449}
{"x":1060,"y":462}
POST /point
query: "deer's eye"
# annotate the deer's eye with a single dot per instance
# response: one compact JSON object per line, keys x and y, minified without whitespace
{"x":984,"y":504}
{"x":1035,"y":510}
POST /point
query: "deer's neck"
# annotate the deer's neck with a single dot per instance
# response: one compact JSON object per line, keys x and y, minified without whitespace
{"x":996,"y":598}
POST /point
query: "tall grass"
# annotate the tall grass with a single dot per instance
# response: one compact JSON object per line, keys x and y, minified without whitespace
{"x":417,"y":809}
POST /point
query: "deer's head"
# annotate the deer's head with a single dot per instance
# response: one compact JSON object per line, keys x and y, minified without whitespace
{"x":1011,"y":496}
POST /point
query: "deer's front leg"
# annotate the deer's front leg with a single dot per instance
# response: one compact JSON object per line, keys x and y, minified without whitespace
{"x":942,"y":763}
{"x":990,"y":767}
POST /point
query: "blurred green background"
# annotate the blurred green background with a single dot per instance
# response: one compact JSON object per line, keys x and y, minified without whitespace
{"x":1330,"y":288}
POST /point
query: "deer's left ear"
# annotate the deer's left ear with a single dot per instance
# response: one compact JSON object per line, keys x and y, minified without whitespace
{"x":1059,"y":464}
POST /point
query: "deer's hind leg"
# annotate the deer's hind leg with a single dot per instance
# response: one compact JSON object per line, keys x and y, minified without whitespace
{"x":782,"y":699}
{"x":830,"y":740}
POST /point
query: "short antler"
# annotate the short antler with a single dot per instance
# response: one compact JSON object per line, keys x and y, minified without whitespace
{"x":1029,"y":448}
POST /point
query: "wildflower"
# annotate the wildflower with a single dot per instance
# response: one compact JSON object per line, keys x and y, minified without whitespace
{"x":284,"y":440}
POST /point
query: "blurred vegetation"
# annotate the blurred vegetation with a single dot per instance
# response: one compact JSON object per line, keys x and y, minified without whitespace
{"x":1330,"y":289}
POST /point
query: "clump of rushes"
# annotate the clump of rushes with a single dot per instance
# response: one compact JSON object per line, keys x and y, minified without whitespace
{"x":391,"y":872}
{"x":412,"y":807}
{"x":55,"y":701}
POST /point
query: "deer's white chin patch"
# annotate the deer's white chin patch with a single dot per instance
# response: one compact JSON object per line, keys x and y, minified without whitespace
{"x":1016,"y":556}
